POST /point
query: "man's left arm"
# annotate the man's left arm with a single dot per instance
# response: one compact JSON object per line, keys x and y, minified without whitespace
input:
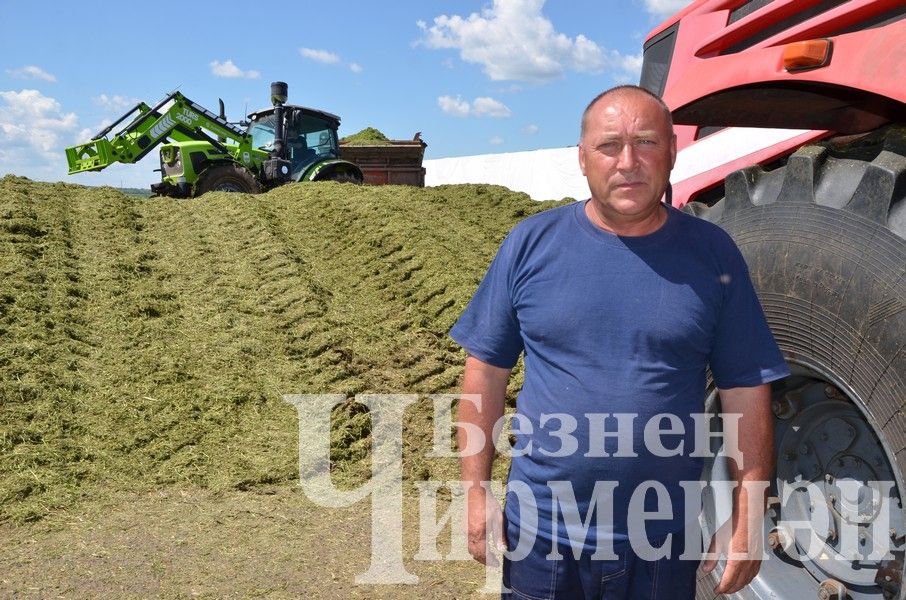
{"x":754,"y":438}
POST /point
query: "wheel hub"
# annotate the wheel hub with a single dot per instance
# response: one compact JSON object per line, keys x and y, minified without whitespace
{"x":835,"y":520}
{"x":830,"y":445}
{"x":855,"y":484}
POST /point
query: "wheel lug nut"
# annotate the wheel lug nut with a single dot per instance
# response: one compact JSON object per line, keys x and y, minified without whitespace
{"x":831,"y":589}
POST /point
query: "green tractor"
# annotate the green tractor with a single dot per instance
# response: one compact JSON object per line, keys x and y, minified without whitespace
{"x":203,"y":152}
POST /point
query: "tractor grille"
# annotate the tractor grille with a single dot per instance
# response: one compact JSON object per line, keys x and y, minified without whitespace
{"x":783,"y":25}
{"x":747,"y":9}
{"x":881,"y":20}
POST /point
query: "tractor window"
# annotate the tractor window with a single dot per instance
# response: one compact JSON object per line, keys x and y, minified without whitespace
{"x":656,"y":61}
{"x":310,"y":140}
{"x":262,"y":132}
{"x":316,"y":134}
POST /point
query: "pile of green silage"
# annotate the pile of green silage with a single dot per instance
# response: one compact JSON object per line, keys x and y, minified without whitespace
{"x":366,"y":137}
{"x":149,"y":342}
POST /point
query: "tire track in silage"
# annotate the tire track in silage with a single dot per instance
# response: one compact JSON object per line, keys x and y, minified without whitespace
{"x":300,"y":309}
{"x":61,"y":447}
{"x":42,"y":345}
{"x":394,"y":258}
{"x":134,"y":318}
{"x":399,"y":263}
{"x":223,"y":262}
{"x":321,"y":238}
{"x":224,"y":267}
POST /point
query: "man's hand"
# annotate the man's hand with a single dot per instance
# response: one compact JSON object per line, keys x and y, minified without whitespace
{"x":483,"y":515}
{"x":753,"y":437}
{"x":743,"y":557}
{"x":484,"y":526}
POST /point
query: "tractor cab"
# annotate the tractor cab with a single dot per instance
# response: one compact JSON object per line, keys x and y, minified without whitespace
{"x":311,"y":136}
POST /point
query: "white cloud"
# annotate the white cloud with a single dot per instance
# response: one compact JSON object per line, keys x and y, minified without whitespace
{"x":496,"y":140}
{"x":230,"y":70}
{"x":327,"y":57}
{"x":115,"y":103}
{"x":631,"y":66}
{"x":34,"y":123}
{"x":530,"y":129}
{"x":31,"y":72}
{"x":632,"y":63}
{"x":482,"y":106}
{"x":513,"y":40}
{"x":454,"y":106}
{"x":664,"y":8}
{"x":488,"y":107}
{"x":87,"y":133}
{"x":321,"y":56}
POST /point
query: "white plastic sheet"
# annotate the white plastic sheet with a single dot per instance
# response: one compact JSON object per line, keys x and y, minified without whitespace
{"x":550,"y":174}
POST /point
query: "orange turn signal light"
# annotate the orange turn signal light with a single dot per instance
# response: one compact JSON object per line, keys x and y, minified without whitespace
{"x":810,"y":54}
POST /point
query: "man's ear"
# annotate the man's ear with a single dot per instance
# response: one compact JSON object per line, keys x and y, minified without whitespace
{"x":673,"y":151}
{"x":582,"y":159}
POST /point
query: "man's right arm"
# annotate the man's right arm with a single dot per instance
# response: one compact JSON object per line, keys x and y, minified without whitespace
{"x":488,"y":383}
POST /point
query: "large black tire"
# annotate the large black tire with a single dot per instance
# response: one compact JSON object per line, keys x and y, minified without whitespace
{"x":229,"y":177}
{"x":825,"y":239}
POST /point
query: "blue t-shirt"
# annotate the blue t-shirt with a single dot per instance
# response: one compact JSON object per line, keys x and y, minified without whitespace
{"x":613,"y":327}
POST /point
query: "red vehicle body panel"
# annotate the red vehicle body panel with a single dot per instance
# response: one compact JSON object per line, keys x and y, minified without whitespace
{"x":729,"y":77}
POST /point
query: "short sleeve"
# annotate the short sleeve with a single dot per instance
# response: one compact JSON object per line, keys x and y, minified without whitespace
{"x":489,"y":329}
{"x":744,"y":353}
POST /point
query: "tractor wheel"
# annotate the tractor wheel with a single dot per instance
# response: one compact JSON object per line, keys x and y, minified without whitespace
{"x":345,"y":177}
{"x":825,"y":240}
{"x":229,"y":177}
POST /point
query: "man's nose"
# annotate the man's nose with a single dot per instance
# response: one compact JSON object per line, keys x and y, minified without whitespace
{"x":627,"y":159}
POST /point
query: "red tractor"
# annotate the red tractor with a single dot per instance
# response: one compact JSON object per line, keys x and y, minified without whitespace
{"x":791,"y":124}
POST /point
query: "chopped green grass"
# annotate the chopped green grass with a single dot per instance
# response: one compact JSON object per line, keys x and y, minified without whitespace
{"x":366,"y":137}
{"x":149,"y":342}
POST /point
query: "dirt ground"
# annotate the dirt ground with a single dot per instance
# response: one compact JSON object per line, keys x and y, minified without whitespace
{"x":191,"y":543}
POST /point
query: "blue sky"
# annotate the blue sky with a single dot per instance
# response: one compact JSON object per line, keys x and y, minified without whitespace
{"x":474,"y":76}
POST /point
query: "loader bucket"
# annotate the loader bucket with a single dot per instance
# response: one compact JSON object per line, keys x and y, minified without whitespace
{"x":92,"y":156}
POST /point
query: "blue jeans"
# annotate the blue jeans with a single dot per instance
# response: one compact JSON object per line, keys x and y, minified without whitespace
{"x":629,"y":577}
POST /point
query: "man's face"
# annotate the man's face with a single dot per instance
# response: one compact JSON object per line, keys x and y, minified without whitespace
{"x":626,"y":154}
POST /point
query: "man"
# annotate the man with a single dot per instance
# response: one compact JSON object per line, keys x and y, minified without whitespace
{"x":620,"y":304}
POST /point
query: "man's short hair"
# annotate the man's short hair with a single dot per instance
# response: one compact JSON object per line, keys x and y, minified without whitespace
{"x":620,"y":89}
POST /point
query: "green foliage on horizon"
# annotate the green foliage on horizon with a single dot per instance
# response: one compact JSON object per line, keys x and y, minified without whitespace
{"x":138,"y":192}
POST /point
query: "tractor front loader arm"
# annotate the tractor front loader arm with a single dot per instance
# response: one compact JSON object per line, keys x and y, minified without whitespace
{"x":174,"y":118}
